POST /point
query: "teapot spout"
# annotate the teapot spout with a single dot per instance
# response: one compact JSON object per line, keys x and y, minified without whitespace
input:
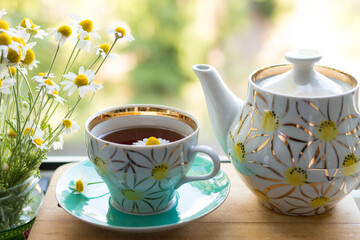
{"x":223,"y":106}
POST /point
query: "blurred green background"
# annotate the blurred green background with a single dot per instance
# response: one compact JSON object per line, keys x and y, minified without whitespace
{"x":235,"y":36}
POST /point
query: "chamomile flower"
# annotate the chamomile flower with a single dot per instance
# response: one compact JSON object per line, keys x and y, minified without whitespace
{"x":103,"y":49}
{"x":84,"y":26}
{"x":42,"y":77}
{"x":79,"y":184}
{"x":69,"y":125}
{"x":120,"y":32}
{"x":59,"y":143}
{"x":61,"y":34}
{"x":38,"y":141}
{"x":82,"y":82}
{"x":6,"y":83}
{"x":50,"y":85}
{"x":29,"y":59}
{"x":7,"y":43}
{"x":33,"y":131}
{"x":55,"y":95}
{"x":96,"y":85}
{"x":84,"y":43}
{"x":2,"y":12}
{"x":151,"y":141}
{"x":27,"y":28}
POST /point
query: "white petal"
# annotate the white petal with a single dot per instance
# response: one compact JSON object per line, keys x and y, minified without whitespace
{"x":72,"y":90}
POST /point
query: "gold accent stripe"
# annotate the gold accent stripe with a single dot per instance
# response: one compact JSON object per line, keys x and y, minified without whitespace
{"x":346,"y":118}
{"x":273,"y":152}
{"x":312,"y":161}
{"x":268,"y":179}
{"x":149,"y":111}
{"x":274,"y":186}
{"x":266,"y":166}
{"x":286,"y":194}
{"x":299,"y":127}
{"x":307,"y":122}
{"x":300,"y":199}
{"x":341,"y":108}
{"x":261,"y":146}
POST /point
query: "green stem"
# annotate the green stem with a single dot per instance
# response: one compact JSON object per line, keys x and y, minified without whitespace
{"x":54,"y":58}
{"x":102,"y":62}
{"x":95,"y":183}
{"x":97,"y":59}
{"x":77,"y":54}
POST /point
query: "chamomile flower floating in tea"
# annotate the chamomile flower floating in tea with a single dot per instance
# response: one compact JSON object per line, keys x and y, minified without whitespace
{"x":151,"y":141}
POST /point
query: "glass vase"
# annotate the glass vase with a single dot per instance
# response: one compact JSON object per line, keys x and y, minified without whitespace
{"x":19,"y":206}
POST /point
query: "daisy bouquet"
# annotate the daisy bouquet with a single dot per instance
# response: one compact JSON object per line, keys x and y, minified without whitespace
{"x":28,"y":103}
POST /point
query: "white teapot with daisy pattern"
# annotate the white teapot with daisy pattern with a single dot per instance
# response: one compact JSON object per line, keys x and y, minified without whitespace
{"x":295,"y":140}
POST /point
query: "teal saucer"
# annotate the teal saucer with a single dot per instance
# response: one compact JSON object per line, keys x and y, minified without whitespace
{"x":194,"y":200}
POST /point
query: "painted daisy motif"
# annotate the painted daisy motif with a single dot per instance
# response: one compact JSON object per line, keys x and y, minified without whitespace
{"x":62,"y":34}
{"x":27,"y":28}
{"x":103,"y":50}
{"x":84,"y":26}
{"x":82,"y":82}
{"x":331,"y":131}
{"x":69,"y":125}
{"x":120,"y":32}
{"x":6,"y":83}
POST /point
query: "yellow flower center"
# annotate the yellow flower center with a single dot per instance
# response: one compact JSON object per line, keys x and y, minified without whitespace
{"x":270,"y":121}
{"x":261,"y":195}
{"x":160,"y":171}
{"x":0,"y":82}
{"x":13,"y":56}
{"x":152,"y":141}
{"x":18,"y":40}
{"x":81,"y":80}
{"x":327,"y":131}
{"x":319,"y":201}
{"x":239,"y":152}
{"x":29,"y":57}
{"x":79,"y":185}
{"x":28,"y":130}
{"x":121,"y":31}
{"x":4,"y":25}
{"x":105,"y":47}
{"x":12,"y":70}
{"x":87,"y":25}
{"x":12,"y":133}
{"x":132,"y":195}
{"x":67,"y":123}
{"x":42,"y":74}
{"x":49,"y":82}
{"x":23,"y":23}
{"x":38,"y":141}
{"x":295,"y":176}
{"x":5,"y":39}
{"x":55,"y":92}
{"x":65,"y":31}
{"x":349,"y":165}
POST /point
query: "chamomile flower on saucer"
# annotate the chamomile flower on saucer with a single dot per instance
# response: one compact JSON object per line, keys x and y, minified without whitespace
{"x":151,"y":141}
{"x":69,"y":125}
{"x":103,"y":49}
{"x":79,"y":184}
{"x":62,"y":34}
{"x":84,"y":26}
{"x":59,"y":143}
{"x":82,"y":82}
{"x":27,"y":28}
{"x":6,"y":83}
{"x":120,"y":32}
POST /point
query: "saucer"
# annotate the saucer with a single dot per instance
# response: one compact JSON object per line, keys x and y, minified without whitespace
{"x":194,"y":200}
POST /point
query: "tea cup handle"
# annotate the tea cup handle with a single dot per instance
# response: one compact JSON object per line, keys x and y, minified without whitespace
{"x":215,"y":159}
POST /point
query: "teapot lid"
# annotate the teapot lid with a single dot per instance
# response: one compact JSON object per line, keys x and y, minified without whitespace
{"x":303,"y":79}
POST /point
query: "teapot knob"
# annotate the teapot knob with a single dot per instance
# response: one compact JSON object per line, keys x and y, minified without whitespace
{"x":303,"y":61}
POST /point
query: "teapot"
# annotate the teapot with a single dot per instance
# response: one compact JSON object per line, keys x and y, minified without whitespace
{"x":295,"y":140}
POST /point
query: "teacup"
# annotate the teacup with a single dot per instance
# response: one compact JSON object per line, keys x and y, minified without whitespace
{"x":142,"y":179}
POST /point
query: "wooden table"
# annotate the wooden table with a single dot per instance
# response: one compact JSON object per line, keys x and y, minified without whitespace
{"x":239,"y":217}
